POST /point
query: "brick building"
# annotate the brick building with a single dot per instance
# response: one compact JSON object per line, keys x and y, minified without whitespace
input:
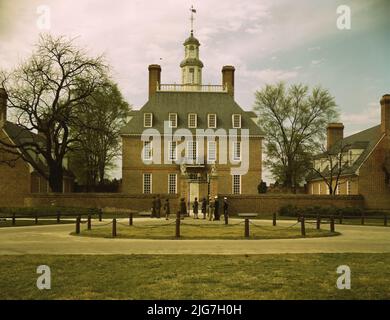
{"x":365,"y":159}
{"x":18,"y":178}
{"x":182,"y":140}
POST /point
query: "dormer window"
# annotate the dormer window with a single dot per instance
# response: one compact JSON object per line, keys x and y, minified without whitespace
{"x":148,"y":120}
{"x":173,"y":120}
{"x":192,"y":120}
{"x":236,"y":121}
{"x":212,"y":120}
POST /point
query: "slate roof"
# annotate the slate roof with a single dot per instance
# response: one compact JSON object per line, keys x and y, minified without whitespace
{"x":366,"y":139}
{"x":183,"y":103}
{"x":20,"y":135}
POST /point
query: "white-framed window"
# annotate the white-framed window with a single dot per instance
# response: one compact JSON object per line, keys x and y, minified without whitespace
{"x":192,"y":150}
{"x":236,"y":150}
{"x":192,"y":120}
{"x":148,"y":120}
{"x":148,"y":153}
{"x":172,"y":183}
{"x":192,"y":75}
{"x":319,"y":188}
{"x":236,"y":184}
{"x":147,"y":183}
{"x":348,"y":187}
{"x":172,"y":120}
{"x":236,"y":121}
{"x":212,"y":120}
{"x":211,"y":151}
{"x":312,"y":188}
{"x":172,"y":150}
{"x":338,"y":188}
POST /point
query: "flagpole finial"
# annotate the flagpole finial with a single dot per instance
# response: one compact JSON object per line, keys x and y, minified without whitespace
{"x":192,"y":19}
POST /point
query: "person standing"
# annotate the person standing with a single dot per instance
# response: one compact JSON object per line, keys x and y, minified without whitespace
{"x":153,"y":207}
{"x":183,"y":208}
{"x":158,"y":206}
{"x":167,"y":209}
{"x":225,"y":209}
{"x":216,"y":209}
{"x":211,"y":210}
{"x":204,"y":207}
{"x":195,"y":208}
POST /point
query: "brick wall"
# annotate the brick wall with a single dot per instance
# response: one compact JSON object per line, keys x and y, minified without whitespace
{"x":264,"y":204}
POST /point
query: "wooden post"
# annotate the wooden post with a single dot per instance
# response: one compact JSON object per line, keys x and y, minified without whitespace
{"x":36,"y":219}
{"x":58,"y":217}
{"x":114,"y":227}
{"x":331,"y":224}
{"x":318,"y":222}
{"x":226,"y":219}
{"x":362,"y":218}
{"x":130,"y":219}
{"x":385,"y":219}
{"x":89,"y":222}
{"x":303,"y":230}
{"x":78,"y":225}
{"x":100,"y":216}
{"x":246,"y":228}
{"x":274,"y":219}
{"x":177,"y":232}
{"x":13,"y":219}
{"x":341,"y":219}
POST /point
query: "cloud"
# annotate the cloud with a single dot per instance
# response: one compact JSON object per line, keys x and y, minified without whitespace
{"x":370,"y":116}
{"x":317,"y":62}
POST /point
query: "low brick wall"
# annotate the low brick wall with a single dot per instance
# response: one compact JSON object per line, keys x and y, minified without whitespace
{"x":263,"y":204}
{"x":110,"y":201}
{"x":270,"y":203}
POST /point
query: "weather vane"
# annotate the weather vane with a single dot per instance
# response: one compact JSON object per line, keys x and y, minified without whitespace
{"x":192,"y":19}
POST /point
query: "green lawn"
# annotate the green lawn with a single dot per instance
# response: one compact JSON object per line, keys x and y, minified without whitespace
{"x":31,"y":222}
{"x":200,"y":229}
{"x":288,"y":276}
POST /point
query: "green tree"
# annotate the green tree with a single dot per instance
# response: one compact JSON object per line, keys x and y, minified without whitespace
{"x":98,"y":143}
{"x":294,"y":121}
{"x":45,"y":94}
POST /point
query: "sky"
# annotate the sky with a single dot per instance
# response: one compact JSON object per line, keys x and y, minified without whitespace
{"x":266,"y":40}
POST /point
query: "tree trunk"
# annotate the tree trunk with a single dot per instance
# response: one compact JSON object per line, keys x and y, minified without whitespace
{"x":56,"y":177}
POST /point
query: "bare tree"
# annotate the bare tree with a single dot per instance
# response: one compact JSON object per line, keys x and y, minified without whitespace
{"x":335,"y":166}
{"x":45,"y":94}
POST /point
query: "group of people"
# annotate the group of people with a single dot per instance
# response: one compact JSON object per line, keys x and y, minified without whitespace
{"x":211,"y":208}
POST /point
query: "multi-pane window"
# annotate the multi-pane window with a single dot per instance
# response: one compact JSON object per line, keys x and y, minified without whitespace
{"x":348,"y":187}
{"x":312,"y":188}
{"x":192,"y":120}
{"x":148,"y":120}
{"x":192,"y":75}
{"x":212,"y":120}
{"x":172,"y":150}
{"x":147,"y":183}
{"x":319,"y":188}
{"x":211,"y":151}
{"x":172,"y":183}
{"x":147,"y":154}
{"x":338,"y":188}
{"x":236,"y":121}
{"x":192,"y":150}
{"x":236,"y":184}
{"x":173,"y":120}
{"x":237,"y":151}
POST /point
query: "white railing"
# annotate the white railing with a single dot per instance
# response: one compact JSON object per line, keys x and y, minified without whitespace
{"x":191,"y":88}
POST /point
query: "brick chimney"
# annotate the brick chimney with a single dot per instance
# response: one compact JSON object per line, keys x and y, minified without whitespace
{"x":228,"y":79}
{"x":3,"y":107}
{"x":335,"y":132}
{"x":385,"y":114}
{"x":154,"y":78}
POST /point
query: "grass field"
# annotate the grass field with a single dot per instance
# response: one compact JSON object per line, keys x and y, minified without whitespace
{"x":288,"y":276}
{"x":201,"y":229}
{"x":31,"y":222}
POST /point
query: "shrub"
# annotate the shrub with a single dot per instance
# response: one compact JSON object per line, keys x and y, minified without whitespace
{"x":293,"y":211}
{"x":46,"y":211}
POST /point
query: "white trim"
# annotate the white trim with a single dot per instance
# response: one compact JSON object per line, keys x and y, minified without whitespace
{"x":208,"y":152}
{"x":172,"y":174}
{"x":151,"y":119}
{"x":233,"y":115}
{"x":240,"y":182}
{"x":208,"y":121}
{"x":196,"y":120}
{"x":143,"y":183}
{"x":169,"y":119}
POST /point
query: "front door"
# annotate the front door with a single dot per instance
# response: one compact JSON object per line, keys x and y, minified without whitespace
{"x":194,"y":193}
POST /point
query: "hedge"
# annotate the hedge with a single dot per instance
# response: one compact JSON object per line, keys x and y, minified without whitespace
{"x":293,"y":211}
{"x":46,"y":211}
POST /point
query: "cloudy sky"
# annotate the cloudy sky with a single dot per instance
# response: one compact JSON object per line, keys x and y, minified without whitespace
{"x":266,"y":40}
